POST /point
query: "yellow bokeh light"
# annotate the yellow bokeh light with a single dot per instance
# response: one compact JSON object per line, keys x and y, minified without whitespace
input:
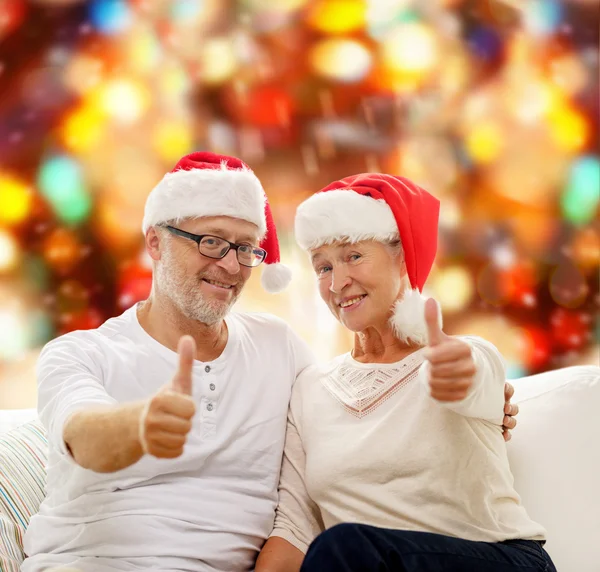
{"x":568,"y":128}
{"x":454,"y":75}
{"x":277,"y":5}
{"x":133,"y":172}
{"x":219,"y":60}
{"x":119,"y":226}
{"x":9,"y":252}
{"x":143,"y":50}
{"x":83,"y":73}
{"x":410,"y":48}
{"x":174,"y":82}
{"x":531,"y":99}
{"x":498,"y":330}
{"x":15,"y":200}
{"x":534,"y":232}
{"x":429,"y":160}
{"x":172,"y":139}
{"x":451,"y":214}
{"x":530,"y":170}
{"x":83,"y":129}
{"x":453,"y":288}
{"x":61,"y":249}
{"x":520,"y":50}
{"x":570,"y":73}
{"x":341,"y":59}
{"x":124,"y":100}
{"x":586,"y":249}
{"x":338,"y":16}
{"x":484,"y":141}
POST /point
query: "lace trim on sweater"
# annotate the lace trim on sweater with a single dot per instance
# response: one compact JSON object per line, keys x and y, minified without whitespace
{"x":361,"y":390}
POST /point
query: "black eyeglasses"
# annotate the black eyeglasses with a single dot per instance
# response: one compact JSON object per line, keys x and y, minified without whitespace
{"x":217,"y":247}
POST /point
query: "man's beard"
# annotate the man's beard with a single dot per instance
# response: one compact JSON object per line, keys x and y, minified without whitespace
{"x":184,"y":292}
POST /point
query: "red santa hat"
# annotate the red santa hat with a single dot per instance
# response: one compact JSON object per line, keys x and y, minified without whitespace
{"x":205,"y":184}
{"x":375,"y":206}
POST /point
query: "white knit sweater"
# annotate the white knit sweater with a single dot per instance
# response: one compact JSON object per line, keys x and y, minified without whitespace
{"x":366,"y":443}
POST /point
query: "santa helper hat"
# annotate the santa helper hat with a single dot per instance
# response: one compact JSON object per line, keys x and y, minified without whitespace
{"x":205,"y":184}
{"x":375,"y":206}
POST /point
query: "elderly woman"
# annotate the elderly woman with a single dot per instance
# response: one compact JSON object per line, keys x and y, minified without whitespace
{"x":394,"y":457}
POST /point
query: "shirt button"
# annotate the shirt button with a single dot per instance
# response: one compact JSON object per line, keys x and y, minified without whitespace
{"x":209,"y":407}
{"x":207,"y":369}
{"x":212,"y":386}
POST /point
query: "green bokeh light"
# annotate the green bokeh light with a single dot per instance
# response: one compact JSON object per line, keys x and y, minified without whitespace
{"x":582,"y":194}
{"x":61,"y":183}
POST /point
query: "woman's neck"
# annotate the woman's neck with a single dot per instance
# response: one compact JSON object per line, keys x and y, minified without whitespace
{"x":375,"y":345}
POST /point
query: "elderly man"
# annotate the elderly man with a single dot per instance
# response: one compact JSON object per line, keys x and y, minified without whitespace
{"x":166,"y":425}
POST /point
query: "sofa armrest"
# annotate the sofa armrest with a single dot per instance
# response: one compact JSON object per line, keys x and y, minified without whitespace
{"x":23,"y":457}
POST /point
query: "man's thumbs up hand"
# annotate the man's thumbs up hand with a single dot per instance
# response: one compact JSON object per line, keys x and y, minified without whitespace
{"x":452,"y":368}
{"x":166,"y":418}
{"x":182,"y":382}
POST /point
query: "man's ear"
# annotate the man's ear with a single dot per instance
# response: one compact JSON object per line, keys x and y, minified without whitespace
{"x":153,"y":243}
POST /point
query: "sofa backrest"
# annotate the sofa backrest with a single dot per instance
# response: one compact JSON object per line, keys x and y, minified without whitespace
{"x":555,"y":459}
{"x":13,"y":418}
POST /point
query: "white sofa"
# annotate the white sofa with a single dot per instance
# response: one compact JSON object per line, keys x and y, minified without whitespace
{"x":554,"y":454}
{"x":555,"y":458}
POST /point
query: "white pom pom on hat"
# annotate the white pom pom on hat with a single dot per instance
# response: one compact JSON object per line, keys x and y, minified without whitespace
{"x":382,"y":207}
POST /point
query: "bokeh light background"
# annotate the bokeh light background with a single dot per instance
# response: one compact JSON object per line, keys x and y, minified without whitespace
{"x":491,"y":105}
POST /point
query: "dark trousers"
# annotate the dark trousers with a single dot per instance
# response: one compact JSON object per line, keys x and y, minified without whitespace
{"x":362,"y":548}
